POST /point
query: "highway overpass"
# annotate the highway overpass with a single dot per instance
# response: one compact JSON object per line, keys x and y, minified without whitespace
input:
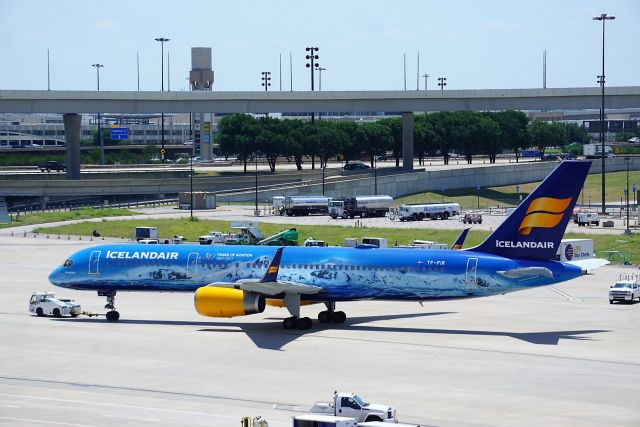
{"x":579,"y":98}
{"x":72,"y":103}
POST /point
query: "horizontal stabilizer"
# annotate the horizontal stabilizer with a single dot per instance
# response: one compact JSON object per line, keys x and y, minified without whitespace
{"x":589,"y":264}
{"x":526,"y":273}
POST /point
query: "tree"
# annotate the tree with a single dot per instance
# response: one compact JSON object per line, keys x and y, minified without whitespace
{"x":488,"y":137}
{"x":236,"y":135}
{"x":378,"y":138}
{"x":424,"y":137}
{"x":544,"y":135}
{"x":394,"y":124}
{"x":514,"y":132}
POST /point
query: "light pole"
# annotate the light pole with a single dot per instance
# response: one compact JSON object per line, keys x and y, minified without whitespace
{"x":603,"y":17}
{"x":375,"y":175}
{"x":97,"y":67}
{"x":426,"y":77}
{"x":266,"y":80}
{"x":162,"y":40}
{"x":626,"y":193}
{"x":320,"y":70}
{"x":191,"y":187}
{"x":442,"y":82}
{"x":255,"y":156}
{"x":312,"y":65}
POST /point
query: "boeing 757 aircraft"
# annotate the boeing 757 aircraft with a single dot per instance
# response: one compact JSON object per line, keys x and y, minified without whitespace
{"x":240,"y":280}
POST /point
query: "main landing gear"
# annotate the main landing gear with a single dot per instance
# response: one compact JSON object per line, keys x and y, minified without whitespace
{"x":112,"y":314}
{"x":292,"y":302}
{"x":330,"y":315}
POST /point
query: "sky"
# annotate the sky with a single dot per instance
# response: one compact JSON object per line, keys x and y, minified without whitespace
{"x":488,"y":44}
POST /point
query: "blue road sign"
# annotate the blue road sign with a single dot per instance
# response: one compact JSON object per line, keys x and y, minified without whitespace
{"x":119,"y":133}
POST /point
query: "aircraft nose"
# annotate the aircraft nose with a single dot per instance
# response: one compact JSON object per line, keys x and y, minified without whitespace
{"x":55,"y":277}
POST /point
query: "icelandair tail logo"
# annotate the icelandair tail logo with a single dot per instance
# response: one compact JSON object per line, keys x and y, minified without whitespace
{"x":543,"y":212}
{"x":273,"y":269}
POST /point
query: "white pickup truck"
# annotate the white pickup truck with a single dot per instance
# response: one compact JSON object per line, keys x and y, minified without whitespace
{"x":46,"y":303}
{"x":213,"y":238}
{"x":626,"y":289}
{"x":352,"y":405}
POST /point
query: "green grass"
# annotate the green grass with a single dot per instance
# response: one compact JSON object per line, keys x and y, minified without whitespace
{"x":507,"y":195}
{"x":84,"y":213}
{"x":332,"y":234}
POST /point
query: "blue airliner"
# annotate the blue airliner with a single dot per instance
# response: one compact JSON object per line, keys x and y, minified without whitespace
{"x":240,"y":280}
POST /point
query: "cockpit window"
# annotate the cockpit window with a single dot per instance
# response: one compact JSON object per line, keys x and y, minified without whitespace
{"x":68,"y":263}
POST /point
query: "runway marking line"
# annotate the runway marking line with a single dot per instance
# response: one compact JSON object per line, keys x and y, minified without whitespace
{"x":46,"y":422}
{"x":116,"y":405}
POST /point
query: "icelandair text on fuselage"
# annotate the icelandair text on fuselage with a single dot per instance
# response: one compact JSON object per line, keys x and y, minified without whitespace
{"x":524,"y":245}
{"x":141,"y":255}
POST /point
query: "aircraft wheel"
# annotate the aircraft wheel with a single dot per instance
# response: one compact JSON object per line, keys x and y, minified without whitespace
{"x":304,"y":323}
{"x":56,"y":312}
{"x":113,"y":316}
{"x":39,"y":312}
{"x":339,"y":317}
{"x":324,"y":317}
{"x":290,"y":323}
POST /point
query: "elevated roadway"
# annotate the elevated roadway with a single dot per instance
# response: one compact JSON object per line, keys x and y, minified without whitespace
{"x":72,"y":103}
{"x":579,"y":98}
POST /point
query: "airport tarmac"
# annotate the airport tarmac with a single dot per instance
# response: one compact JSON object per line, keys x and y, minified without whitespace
{"x":547,"y":356}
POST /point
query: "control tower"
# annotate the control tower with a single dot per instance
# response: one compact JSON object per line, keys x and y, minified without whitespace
{"x":201,"y":79}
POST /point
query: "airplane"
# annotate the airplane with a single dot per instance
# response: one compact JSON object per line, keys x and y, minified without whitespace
{"x":230,"y":281}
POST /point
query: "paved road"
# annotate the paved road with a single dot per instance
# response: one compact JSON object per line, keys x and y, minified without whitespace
{"x":548,"y":356}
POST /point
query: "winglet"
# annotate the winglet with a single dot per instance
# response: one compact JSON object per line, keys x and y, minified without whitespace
{"x":457,"y":245}
{"x":272,"y":272}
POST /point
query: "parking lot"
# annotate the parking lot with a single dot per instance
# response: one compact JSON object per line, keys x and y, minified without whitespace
{"x":547,"y":356}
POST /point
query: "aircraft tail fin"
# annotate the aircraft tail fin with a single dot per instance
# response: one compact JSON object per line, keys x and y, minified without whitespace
{"x":457,"y":245}
{"x":535,"y":228}
{"x":272,"y":272}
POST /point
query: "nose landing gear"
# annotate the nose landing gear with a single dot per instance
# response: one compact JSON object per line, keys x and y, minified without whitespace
{"x":112,"y":314}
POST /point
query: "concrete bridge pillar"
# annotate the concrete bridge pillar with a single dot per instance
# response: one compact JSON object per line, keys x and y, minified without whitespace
{"x":72,"y":136}
{"x":407,"y":141}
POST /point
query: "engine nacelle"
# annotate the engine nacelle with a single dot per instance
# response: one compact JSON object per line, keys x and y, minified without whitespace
{"x":213,"y":301}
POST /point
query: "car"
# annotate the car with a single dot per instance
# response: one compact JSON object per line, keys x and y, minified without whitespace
{"x":568,"y":156}
{"x":634,"y":140}
{"x":382,"y":158}
{"x":354,"y":166}
{"x":52,"y":165}
{"x":198,"y":159}
{"x":550,"y":157}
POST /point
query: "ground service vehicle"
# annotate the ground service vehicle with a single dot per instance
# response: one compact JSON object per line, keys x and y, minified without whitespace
{"x":314,"y":243}
{"x":213,"y":237}
{"x":52,"y":165}
{"x":471,"y":218}
{"x":418,"y":212}
{"x":229,"y":281}
{"x":46,"y":304}
{"x":584,"y":218}
{"x":318,"y":420}
{"x":626,"y":289}
{"x":304,"y":205}
{"x":352,"y":405}
{"x":362,"y":206}
{"x":574,"y":249}
{"x":146,"y":233}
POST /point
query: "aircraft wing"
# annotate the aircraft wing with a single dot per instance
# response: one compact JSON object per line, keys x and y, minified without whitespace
{"x":270,"y":288}
{"x":269,"y":284}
